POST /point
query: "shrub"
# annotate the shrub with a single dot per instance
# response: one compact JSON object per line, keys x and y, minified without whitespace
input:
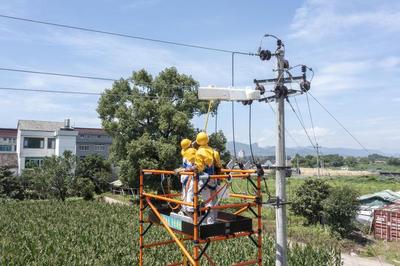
{"x":85,"y":188}
{"x":340,"y":209}
{"x":11,"y":186}
{"x":308,"y":199}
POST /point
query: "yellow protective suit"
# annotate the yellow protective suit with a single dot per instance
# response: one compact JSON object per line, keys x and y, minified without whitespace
{"x":207,"y":160}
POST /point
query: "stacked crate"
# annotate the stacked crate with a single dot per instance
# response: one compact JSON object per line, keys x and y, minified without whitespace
{"x":387,"y":222}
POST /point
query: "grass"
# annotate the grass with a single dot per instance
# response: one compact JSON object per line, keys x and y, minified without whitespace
{"x":297,"y":232}
{"x":390,"y":251}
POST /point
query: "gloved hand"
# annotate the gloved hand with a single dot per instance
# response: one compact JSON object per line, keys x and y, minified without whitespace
{"x":178,"y":170}
{"x":204,"y":176}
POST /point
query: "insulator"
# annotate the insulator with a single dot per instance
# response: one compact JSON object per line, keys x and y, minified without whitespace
{"x":260,"y":88}
{"x":285,"y":64}
{"x":303,"y":68}
{"x":305,"y":86}
{"x":281,"y":91}
{"x":265,"y":55}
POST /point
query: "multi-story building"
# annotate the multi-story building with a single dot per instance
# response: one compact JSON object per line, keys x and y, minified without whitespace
{"x":8,"y":140}
{"x":8,"y":147}
{"x":39,"y":139}
{"x":34,"y":140}
{"x":92,"y":141}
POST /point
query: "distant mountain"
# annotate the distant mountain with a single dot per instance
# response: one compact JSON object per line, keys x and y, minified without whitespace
{"x":270,"y":150}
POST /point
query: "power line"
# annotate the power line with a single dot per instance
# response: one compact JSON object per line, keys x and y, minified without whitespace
{"x":315,"y":136}
{"x":250,"y":142}
{"x":48,"y":23}
{"x":78,"y":92}
{"x":298,"y":118}
{"x":51,"y":91}
{"x":287,"y":131}
{"x":233,"y":105}
{"x":55,"y":74}
{"x":337,"y":121}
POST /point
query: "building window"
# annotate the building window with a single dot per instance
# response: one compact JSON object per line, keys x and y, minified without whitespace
{"x":84,"y":147}
{"x":6,"y":148}
{"x":99,"y":147}
{"x":51,"y":143}
{"x":33,"y":162}
{"x":34,"y":143}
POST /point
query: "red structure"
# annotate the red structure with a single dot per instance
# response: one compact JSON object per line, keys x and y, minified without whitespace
{"x":387,"y":222}
{"x":154,"y":210}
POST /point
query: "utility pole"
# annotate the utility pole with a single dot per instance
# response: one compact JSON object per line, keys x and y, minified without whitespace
{"x":280,"y":94}
{"x":280,"y":182}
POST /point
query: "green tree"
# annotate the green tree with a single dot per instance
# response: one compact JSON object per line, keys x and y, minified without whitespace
{"x":147,"y":118}
{"x":39,"y":183}
{"x":55,"y":176}
{"x":350,"y":161}
{"x":11,"y":186}
{"x":85,"y":188}
{"x":309,"y":198}
{"x":393,"y":161}
{"x":60,"y":172}
{"x":97,"y":169}
{"x":217,"y":141}
{"x":340,"y":209}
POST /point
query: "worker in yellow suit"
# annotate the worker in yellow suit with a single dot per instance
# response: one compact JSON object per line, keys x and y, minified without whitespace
{"x":207,"y":162}
{"x":188,"y":158}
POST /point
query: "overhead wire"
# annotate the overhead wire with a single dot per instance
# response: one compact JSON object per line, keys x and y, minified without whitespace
{"x":301,"y":123}
{"x":56,"y":74}
{"x":250,"y":142}
{"x":315,"y":136}
{"x":287,"y":131}
{"x":80,"y":92}
{"x":48,"y":23}
{"x":233,"y":106}
{"x":340,"y":124}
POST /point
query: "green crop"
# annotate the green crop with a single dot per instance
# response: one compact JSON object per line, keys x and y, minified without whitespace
{"x":94,"y":233}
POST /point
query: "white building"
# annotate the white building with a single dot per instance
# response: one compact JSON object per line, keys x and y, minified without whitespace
{"x":241,"y":154}
{"x":38,"y":139}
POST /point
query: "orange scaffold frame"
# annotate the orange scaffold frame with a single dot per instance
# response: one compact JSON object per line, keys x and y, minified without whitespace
{"x":194,"y":257}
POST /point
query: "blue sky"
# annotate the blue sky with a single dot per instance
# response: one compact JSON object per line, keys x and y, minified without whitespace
{"x":353,"y":48}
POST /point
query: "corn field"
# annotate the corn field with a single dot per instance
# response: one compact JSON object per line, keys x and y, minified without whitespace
{"x":94,"y":233}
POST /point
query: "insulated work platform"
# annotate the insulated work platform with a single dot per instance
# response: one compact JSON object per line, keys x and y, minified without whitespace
{"x":163,"y":210}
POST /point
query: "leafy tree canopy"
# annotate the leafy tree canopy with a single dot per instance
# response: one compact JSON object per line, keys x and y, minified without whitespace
{"x":147,"y":117}
{"x":309,"y":199}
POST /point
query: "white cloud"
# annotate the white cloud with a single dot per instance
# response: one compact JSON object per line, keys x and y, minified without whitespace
{"x":320,"y":19}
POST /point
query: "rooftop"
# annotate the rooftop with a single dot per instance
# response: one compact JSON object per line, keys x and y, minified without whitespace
{"x":8,"y":132}
{"x":39,"y":125}
{"x":87,"y":130}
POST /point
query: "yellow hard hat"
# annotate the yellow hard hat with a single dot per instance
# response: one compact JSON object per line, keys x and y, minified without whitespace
{"x":202,"y":138}
{"x":185,"y":143}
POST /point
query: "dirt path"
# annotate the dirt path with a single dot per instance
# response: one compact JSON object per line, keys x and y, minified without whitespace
{"x":349,"y":260}
{"x":114,"y":201}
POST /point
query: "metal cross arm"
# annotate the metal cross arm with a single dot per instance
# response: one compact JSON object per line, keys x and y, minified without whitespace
{"x":275,"y":80}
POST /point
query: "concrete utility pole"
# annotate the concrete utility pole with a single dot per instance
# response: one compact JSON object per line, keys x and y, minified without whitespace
{"x":281,"y":234}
